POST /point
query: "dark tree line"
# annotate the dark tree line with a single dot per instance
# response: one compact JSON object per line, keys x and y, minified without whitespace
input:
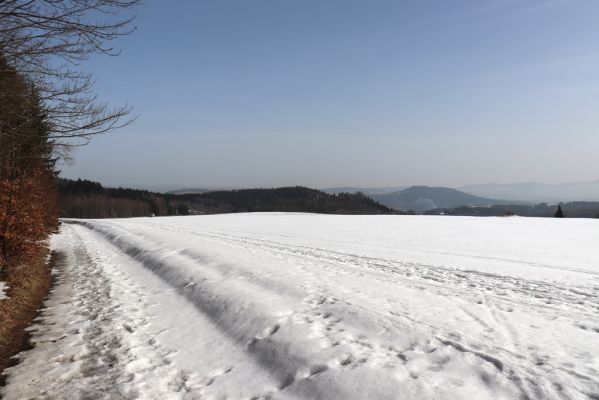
{"x":573,"y":209}
{"x":293,"y":199}
{"x":86,"y":199}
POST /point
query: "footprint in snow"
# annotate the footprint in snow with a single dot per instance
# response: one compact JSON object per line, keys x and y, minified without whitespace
{"x":209,"y":380}
{"x":271,"y":330}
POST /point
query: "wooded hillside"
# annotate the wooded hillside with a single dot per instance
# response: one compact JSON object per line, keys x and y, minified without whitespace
{"x":87,"y":199}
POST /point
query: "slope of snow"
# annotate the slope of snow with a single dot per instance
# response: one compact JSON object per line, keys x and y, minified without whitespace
{"x":299,"y":306}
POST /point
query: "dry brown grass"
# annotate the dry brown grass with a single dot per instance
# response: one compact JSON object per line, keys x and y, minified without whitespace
{"x":28,"y":286}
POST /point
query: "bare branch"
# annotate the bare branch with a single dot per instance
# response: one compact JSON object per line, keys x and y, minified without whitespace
{"x":46,"y":40}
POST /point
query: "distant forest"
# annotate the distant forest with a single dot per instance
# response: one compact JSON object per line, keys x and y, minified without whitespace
{"x":574,"y":209}
{"x":88,"y":199}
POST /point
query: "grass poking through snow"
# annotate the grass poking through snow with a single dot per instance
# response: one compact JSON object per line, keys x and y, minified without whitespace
{"x":27,"y":287}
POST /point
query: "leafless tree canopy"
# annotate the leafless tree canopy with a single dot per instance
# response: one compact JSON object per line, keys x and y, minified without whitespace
{"x":46,"y":40}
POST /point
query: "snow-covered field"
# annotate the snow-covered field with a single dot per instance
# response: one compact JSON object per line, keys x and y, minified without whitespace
{"x":299,"y":306}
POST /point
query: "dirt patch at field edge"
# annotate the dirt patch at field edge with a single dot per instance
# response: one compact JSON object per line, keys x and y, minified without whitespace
{"x":28,"y":287}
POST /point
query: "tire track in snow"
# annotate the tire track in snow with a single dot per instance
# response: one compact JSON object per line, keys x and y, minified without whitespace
{"x":541,"y":294}
{"x":240,"y":234}
{"x":100,"y":366}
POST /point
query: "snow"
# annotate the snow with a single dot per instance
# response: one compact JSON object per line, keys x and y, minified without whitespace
{"x":305,"y":306}
{"x":2,"y":289}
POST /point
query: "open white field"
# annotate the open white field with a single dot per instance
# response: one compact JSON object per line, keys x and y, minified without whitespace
{"x":299,"y":306}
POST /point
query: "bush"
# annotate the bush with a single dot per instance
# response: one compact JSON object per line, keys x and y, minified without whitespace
{"x":27,"y":215}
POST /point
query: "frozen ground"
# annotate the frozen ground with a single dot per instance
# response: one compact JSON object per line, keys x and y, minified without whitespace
{"x":296,"y":306}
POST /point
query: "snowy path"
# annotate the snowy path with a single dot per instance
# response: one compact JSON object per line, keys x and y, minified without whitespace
{"x":291,"y":306}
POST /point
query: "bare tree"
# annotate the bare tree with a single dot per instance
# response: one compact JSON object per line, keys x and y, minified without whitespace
{"x":46,"y":41}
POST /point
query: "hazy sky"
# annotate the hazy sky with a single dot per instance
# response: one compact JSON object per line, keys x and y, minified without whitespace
{"x":325,"y":93}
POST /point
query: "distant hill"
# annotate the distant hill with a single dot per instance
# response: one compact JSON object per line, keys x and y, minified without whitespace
{"x":538,"y":192}
{"x":87,"y":199}
{"x":424,"y":198}
{"x":367,"y":191}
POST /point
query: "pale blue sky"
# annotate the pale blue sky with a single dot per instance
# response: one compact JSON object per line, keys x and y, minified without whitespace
{"x":324,"y":93}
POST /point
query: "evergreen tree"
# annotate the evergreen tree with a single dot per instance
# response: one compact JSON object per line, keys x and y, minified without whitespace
{"x":559,"y":213}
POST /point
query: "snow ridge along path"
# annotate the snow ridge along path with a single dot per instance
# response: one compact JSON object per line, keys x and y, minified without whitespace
{"x":297,"y":306}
